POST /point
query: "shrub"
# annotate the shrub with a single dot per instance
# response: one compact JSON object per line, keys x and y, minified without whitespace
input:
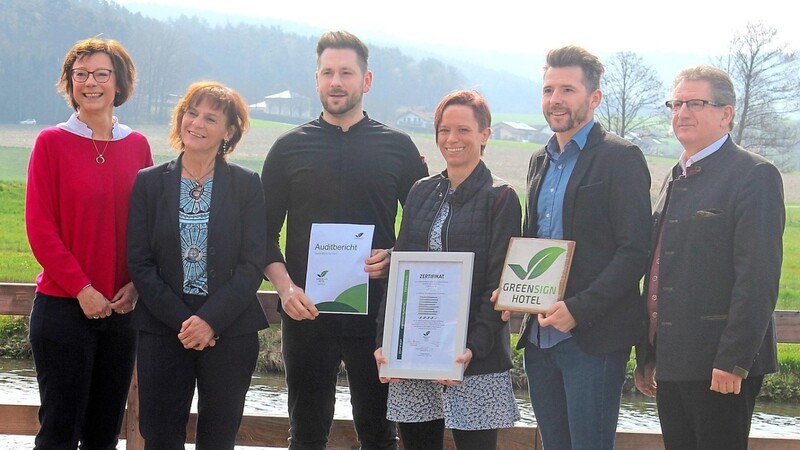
{"x":14,"y":337}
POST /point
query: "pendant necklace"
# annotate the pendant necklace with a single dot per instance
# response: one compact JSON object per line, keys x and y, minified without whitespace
{"x":198,"y":189}
{"x":100,"y":159}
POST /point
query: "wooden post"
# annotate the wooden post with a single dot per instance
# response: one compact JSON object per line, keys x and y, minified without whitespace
{"x":133,"y":438}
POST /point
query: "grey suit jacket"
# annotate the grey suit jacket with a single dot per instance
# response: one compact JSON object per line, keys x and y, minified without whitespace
{"x":720,"y":264}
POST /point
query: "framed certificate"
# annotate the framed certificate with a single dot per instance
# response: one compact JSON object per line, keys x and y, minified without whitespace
{"x":427,"y":312}
{"x":534,"y":275}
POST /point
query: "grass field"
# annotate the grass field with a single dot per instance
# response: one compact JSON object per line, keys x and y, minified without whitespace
{"x":18,"y":265}
{"x":507,"y":159}
{"x":790,"y":275}
{"x":530,"y":119}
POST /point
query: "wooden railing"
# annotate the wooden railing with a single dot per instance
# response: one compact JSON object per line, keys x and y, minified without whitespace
{"x":272,"y":431}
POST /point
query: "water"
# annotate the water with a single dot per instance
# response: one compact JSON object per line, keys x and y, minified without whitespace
{"x":267,"y":396}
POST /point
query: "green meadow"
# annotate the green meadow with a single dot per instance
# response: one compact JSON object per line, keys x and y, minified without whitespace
{"x":17,"y":264}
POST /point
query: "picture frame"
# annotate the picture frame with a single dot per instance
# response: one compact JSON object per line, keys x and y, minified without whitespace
{"x":427,"y":313}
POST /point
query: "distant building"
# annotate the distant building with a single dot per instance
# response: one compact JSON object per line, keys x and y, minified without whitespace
{"x":286,"y":104}
{"x":514,"y":131}
{"x":647,"y":142}
{"x":415,"y":120}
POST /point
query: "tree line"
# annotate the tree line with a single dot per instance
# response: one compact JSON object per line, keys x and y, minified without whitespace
{"x":259,"y":60}
{"x":256,"y":60}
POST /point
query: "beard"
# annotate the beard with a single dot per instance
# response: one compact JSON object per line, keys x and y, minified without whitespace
{"x":337,"y":107}
{"x":573,"y":118}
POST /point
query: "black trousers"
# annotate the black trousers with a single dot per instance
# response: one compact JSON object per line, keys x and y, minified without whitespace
{"x":168,"y":374}
{"x":694,"y":417}
{"x":84,"y":369}
{"x":312,"y":365}
{"x":430,"y":436}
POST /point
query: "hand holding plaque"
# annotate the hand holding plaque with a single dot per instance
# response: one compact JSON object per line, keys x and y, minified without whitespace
{"x":534,"y":275}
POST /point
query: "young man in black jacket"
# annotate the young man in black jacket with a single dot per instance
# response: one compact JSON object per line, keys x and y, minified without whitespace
{"x":342,"y":167}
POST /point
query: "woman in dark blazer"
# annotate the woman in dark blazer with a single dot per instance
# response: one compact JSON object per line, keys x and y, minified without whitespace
{"x":196,"y":250}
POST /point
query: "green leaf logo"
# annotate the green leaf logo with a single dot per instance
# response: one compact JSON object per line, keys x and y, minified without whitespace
{"x":359,"y":235}
{"x":426,"y":333}
{"x":519,"y":271}
{"x":538,"y":264}
{"x":320,"y":275}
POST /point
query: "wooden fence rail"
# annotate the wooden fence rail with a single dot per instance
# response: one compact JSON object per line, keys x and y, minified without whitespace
{"x":272,"y":431}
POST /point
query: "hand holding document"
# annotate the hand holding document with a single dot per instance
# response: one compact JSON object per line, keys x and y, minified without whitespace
{"x":427,"y":310}
{"x":335,"y":279}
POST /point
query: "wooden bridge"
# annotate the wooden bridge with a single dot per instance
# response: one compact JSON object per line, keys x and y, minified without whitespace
{"x":272,"y":431}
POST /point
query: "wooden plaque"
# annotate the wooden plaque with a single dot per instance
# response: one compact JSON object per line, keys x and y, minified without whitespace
{"x":534,"y":275}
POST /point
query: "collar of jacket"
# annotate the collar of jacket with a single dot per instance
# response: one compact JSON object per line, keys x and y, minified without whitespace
{"x":329,"y":126}
{"x":470,"y":186}
{"x":709,"y":161}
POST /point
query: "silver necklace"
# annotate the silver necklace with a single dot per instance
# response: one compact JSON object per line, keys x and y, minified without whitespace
{"x":100,"y":159}
{"x":197,"y":191}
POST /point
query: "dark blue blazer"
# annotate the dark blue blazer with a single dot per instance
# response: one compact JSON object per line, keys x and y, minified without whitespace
{"x":237,"y":245}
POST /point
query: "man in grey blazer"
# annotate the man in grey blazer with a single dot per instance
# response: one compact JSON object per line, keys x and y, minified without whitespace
{"x":713,"y":279}
{"x":591,"y":187}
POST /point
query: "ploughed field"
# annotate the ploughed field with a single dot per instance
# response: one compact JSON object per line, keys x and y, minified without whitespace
{"x":506,"y":160}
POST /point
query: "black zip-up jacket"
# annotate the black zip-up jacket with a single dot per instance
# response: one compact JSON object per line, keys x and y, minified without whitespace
{"x":485,"y":214}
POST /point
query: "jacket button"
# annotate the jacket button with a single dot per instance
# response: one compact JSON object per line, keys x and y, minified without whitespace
{"x":212,"y":273}
{"x":212,"y":250}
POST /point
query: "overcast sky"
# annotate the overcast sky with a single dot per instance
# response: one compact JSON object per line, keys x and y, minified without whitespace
{"x":670,"y":26}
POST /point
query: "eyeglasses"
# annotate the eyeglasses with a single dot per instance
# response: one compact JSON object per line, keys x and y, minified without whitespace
{"x":694,"y":105}
{"x":82,"y":75}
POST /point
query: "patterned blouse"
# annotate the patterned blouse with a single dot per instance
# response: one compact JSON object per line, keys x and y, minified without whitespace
{"x":194,"y":207}
{"x":435,"y":239}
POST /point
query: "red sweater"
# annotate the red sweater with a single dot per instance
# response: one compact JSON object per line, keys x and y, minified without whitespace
{"x":76,"y":210}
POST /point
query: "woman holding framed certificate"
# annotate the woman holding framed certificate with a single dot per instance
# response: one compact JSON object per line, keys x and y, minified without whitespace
{"x":463,"y":209}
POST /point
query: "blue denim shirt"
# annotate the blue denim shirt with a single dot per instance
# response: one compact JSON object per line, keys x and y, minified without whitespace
{"x":550,"y":209}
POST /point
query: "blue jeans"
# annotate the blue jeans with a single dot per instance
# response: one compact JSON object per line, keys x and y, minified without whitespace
{"x":575,"y":395}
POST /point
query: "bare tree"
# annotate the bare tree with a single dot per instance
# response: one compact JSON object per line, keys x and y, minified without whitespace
{"x":161,"y":55}
{"x":765,"y":76}
{"x":632,"y":95}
